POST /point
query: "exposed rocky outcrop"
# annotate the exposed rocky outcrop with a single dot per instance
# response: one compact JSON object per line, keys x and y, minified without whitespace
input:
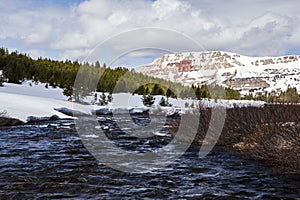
{"x":247,"y":83}
{"x":32,"y":119}
{"x":6,"y":121}
{"x":227,"y":69}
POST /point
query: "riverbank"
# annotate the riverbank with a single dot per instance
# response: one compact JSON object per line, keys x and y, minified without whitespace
{"x":270,"y":133}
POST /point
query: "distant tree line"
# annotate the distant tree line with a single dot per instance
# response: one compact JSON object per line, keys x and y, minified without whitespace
{"x":18,"y":67}
{"x":291,"y":95}
{"x":215,"y":92}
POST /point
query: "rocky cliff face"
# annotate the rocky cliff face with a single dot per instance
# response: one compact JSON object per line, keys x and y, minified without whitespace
{"x":254,"y":74}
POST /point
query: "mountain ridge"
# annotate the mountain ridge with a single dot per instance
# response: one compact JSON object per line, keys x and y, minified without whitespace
{"x":244,"y":73}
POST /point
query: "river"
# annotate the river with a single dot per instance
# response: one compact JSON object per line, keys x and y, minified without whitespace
{"x":48,"y":160}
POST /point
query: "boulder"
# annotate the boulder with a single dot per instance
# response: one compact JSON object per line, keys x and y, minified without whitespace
{"x":5,"y":121}
{"x":32,"y":119}
{"x":102,"y":111}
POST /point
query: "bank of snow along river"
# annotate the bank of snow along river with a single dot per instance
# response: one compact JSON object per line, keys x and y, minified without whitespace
{"x":47,"y":160}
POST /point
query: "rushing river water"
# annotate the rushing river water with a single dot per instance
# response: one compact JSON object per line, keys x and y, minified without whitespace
{"x":48,"y":160}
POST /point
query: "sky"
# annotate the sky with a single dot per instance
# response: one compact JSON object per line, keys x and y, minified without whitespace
{"x":72,"y":30}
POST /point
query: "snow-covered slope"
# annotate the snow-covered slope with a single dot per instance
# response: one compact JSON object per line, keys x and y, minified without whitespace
{"x":34,"y":100}
{"x":257,"y":74}
{"x":29,"y":100}
{"x":30,"y":88}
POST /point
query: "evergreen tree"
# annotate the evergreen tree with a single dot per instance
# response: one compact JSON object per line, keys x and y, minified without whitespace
{"x":160,"y":91}
{"x":103,"y":99}
{"x":198,"y":93}
{"x":291,"y":95}
{"x":1,"y":81}
{"x":147,"y":90}
{"x":170,"y":93}
{"x":148,"y":100}
{"x":232,"y":94}
{"x":204,"y":92}
{"x":156,"y":90}
{"x":95,"y":97}
{"x":68,"y":91}
{"x":109,"y":98}
{"x":187,"y":93}
{"x":186,"y":104}
{"x":97,"y":64}
{"x":140,"y":91}
{"x":163,"y":102}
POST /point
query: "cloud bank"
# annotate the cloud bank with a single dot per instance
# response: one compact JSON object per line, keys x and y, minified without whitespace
{"x":71,"y":30}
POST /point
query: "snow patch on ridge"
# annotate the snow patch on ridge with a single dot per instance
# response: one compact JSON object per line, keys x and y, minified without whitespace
{"x":269,"y":73}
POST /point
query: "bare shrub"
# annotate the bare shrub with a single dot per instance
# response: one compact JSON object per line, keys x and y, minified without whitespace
{"x":3,"y":113}
{"x":258,"y":132}
{"x":277,"y":146}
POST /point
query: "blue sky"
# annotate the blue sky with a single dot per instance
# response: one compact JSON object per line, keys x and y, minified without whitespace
{"x":72,"y":29}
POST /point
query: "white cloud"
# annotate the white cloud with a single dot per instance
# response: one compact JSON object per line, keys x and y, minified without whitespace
{"x":256,"y":27}
{"x":75,"y":54}
{"x":34,"y":53}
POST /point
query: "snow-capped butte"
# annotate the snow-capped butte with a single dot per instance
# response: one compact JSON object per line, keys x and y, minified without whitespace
{"x":247,"y":74}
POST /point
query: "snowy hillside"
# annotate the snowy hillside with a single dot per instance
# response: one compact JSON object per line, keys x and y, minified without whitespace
{"x":254,"y":74}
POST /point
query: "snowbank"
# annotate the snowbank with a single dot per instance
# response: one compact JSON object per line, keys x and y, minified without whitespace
{"x":30,"y":88}
{"x":23,"y":106}
{"x":30,"y":101}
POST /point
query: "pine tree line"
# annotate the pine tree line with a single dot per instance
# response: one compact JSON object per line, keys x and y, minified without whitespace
{"x":18,"y":67}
